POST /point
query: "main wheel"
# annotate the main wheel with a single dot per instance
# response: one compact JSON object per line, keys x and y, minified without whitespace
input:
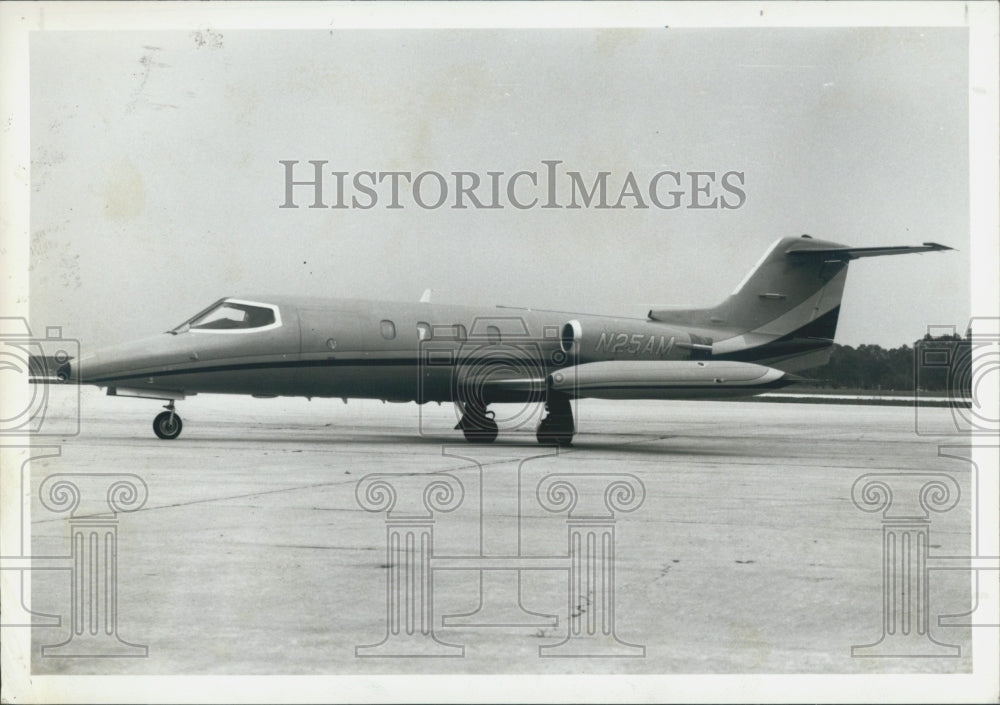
{"x":167,"y":425}
{"x":550,"y":432}
{"x":480,"y":430}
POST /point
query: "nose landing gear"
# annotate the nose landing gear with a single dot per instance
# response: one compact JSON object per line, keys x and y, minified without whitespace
{"x":167,"y":424}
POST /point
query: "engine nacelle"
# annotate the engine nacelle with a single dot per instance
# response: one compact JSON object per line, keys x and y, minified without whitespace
{"x":628,"y":339}
{"x":570,"y":336}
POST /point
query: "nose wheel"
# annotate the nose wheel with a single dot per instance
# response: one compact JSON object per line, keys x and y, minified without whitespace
{"x":167,"y":424}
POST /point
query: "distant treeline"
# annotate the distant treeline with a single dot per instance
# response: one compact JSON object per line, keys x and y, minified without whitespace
{"x":934,"y":364}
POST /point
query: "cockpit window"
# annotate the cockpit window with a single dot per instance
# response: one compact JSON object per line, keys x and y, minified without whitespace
{"x":230,"y":315}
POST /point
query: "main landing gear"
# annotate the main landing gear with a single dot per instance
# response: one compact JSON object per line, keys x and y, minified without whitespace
{"x":557,"y":426}
{"x":167,"y":424}
{"x":478,"y":425}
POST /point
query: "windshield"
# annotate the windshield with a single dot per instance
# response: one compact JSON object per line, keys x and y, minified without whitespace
{"x":229,"y":315}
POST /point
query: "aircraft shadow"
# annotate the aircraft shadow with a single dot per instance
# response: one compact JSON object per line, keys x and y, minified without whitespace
{"x":632,"y":444}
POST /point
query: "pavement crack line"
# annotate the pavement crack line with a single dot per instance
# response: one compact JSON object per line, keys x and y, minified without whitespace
{"x":208,"y":500}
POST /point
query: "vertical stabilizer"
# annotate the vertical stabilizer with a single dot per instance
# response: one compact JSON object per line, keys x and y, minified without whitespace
{"x":784,"y":313}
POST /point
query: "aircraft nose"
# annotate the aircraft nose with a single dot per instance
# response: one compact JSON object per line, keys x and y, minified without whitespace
{"x":113,"y":364}
{"x":99,"y":365}
{"x":139,"y":357}
{"x":85,"y":369}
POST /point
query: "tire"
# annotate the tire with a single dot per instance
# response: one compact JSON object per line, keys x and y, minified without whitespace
{"x":549,"y":433}
{"x":166,"y":428}
{"x":481,"y":431}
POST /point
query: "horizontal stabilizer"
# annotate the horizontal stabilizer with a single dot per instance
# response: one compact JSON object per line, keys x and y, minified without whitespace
{"x":801,"y":248}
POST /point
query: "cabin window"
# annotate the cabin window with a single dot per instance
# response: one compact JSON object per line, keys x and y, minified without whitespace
{"x":423,"y":331}
{"x":493,"y":335}
{"x":388,"y":329}
{"x":229,"y":316}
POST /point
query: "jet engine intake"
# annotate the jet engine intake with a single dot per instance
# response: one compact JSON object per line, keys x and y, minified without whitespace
{"x":570,"y":335}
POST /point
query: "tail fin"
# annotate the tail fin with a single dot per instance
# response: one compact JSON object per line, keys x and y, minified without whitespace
{"x":784,"y":312}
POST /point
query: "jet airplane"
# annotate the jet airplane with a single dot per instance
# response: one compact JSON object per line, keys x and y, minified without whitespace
{"x":780,"y":319}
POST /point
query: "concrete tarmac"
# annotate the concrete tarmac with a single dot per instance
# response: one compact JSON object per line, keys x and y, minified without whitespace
{"x":253,"y":553}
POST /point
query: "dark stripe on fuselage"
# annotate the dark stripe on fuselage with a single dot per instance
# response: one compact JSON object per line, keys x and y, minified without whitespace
{"x":815,"y":335}
{"x":293,"y":364}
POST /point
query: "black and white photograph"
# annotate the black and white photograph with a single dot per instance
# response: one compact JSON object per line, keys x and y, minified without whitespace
{"x":480,"y":352}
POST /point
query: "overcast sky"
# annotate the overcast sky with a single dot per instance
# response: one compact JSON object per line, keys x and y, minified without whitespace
{"x":156,"y":181}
